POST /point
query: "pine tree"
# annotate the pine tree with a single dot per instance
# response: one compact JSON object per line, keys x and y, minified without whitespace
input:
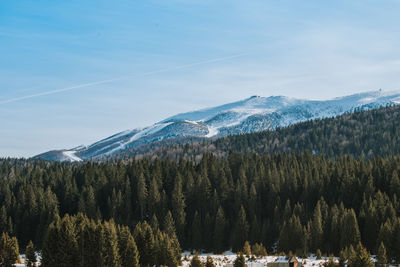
{"x":219,"y":231}
{"x":318,"y":254}
{"x":141,"y":194}
{"x":259,"y":250}
{"x":144,"y":238}
{"x":381,"y":256}
{"x":110,"y":255}
{"x":316,"y":229}
{"x":240,"y":231}
{"x":240,"y":261}
{"x":169,"y":224}
{"x":350,"y":233}
{"x":195,"y":262}
{"x":30,"y":255}
{"x":9,"y":251}
{"x":168,"y":252}
{"x":127,"y":248}
{"x":247,"y":249}
{"x":50,"y":249}
{"x":178,"y":207}
{"x":342,"y":259}
{"x":361,"y":258}
{"x":196,"y":232}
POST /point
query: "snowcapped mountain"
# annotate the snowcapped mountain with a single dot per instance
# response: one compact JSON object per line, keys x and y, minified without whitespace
{"x":250,"y":115}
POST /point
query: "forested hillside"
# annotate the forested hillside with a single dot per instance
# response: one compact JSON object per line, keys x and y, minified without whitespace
{"x":362,"y":134}
{"x":299,"y":202}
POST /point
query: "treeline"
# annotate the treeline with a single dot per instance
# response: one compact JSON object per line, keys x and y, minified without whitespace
{"x":300,"y":202}
{"x":364,"y":134}
{"x":79,"y":241}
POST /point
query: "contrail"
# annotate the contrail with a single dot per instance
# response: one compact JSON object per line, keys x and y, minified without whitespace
{"x":120,"y":78}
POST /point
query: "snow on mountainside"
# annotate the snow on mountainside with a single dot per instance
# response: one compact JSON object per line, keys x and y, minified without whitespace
{"x":250,"y":115}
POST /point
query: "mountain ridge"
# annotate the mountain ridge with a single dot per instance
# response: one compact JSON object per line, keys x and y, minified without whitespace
{"x":250,"y":115}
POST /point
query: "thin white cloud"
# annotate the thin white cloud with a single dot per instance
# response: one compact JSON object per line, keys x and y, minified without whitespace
{"x":51,"y":92}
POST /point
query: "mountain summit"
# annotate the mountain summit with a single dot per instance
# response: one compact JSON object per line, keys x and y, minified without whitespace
{"x":250,"y":115}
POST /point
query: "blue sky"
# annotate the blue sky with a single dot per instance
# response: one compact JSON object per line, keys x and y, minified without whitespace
{"x":307,"y":49}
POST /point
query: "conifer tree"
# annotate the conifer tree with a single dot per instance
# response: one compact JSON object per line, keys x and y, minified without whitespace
{"x":109,"y":254}
{"x":144,"y":238}
{"x":154,"y":223}
{"x":219,"y":231}
{"x":178,"y":207}
{"x":259,"y":250}
{"x":361,"y":258}
{"x":196,"y":232}
{"x":9,"y":251}
{"x":316,"y":229}
{"x":342,"y":259}
{"x":247,"y":249}
{"x":169,"y":224}
{"x":240,"y":261}
{"x":318,"y":254}
{"x":141,"y":194}
{"x":381,"y":256}
{"x":350,"y":233}
{"x":240,"y":231}
{"x":127,"y":248}
{"x":30,"y":255}
{"x":195,"y":262}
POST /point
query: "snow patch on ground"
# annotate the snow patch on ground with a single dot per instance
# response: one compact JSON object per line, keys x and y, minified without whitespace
{"x":70,"y":154}
{"x":229,"y":257}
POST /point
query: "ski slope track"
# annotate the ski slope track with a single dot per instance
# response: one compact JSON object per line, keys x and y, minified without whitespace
{"x":250,"y":115}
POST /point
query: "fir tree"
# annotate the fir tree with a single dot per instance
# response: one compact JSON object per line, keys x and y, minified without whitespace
{"x":239,"y":261}
{"x":195,"y":262}
{"x":246,"y":249}
{"x":127,"y":248}
{"x":30,"y":255}
{"x":381,"y":256}
{"x":110,"y":256}
{"x":219,"y":231}
{"x":241,"y":231}
{"x":259,"y":250}
{"x":9,"y":251}
{"x":361,"y":257}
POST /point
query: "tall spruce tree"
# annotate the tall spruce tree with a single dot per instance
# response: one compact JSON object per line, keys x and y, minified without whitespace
{"x":241,"y":230}
{"x":30,"y":255}
{"x":9,"y":250}
{"x":127,"y":248}
{"x":219,"y":231}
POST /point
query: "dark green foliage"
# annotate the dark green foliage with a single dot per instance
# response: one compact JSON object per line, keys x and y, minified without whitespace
{"x":342,"y":259}
{"x":361,"y":258}
{"x":144,"y":238}
{"x":240,"y":260}
{"x":381,"y":256}
{"x":78,"y":240}
{"x":246,"y":249}
{"x":127,"y":248}
{"x":318,"y":254}
{"x":9,"y":250}
{"x":195,"y":262}
{"x":261,"y":198}
{"x":30,"y":255}
{"x":259,"y":250}
{"x":241,"y":230}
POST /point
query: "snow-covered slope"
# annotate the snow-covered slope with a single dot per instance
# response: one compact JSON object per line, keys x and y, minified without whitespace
{"x":250,"y":115}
